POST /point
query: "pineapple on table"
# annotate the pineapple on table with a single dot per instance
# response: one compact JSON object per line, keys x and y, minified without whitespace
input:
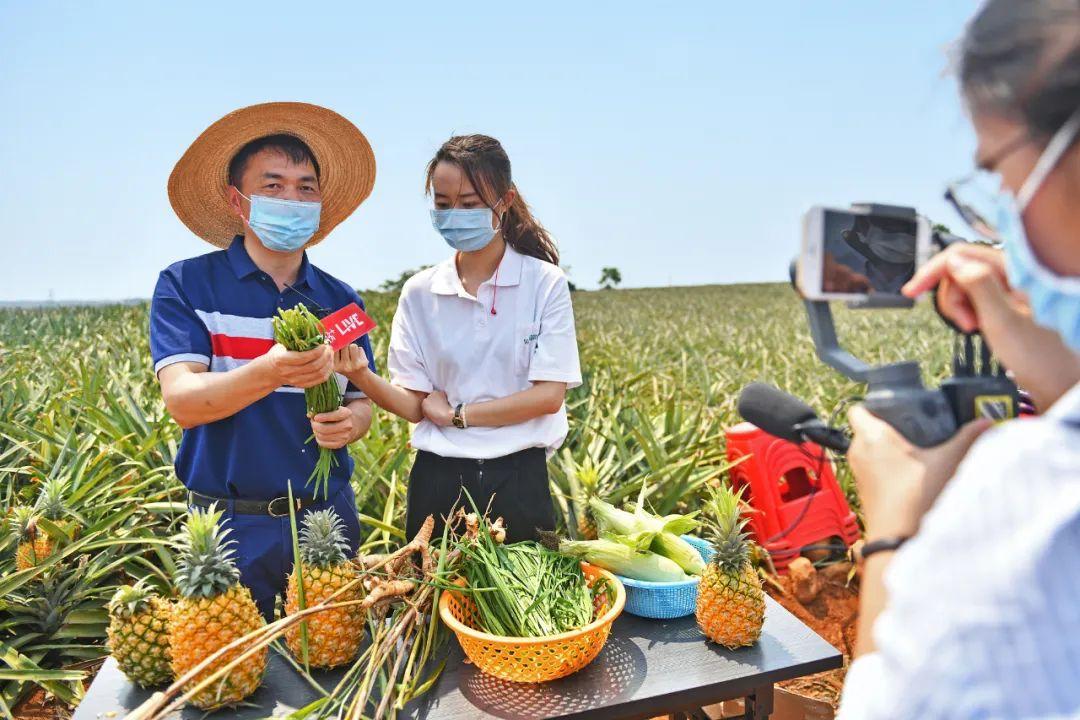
{"x":730,"y":603}
{"x":139,"y":635}
{"x":212,"y":611}
{"x":333,"y":635}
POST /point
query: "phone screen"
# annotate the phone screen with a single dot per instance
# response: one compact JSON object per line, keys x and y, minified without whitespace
{"x":867,"y":254}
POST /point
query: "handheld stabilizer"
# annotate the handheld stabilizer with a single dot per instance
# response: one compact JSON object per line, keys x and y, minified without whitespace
{"x":895,"y":391}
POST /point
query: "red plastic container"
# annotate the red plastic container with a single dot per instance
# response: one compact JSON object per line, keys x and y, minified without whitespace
{"x":794,"y":493}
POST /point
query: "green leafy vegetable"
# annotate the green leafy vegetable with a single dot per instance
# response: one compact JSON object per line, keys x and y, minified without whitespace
{"x":298,"y":329}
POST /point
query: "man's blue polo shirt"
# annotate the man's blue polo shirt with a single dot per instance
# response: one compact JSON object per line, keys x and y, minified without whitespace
{"x":216,"y":309}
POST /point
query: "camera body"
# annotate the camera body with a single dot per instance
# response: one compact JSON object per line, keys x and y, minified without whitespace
{"x":895,"y":391}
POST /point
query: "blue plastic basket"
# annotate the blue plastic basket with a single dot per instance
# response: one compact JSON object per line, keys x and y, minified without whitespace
{"x":665,"y":600}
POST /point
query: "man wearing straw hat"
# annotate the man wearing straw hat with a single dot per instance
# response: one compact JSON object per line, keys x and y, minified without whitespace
{"x":263,"y":184}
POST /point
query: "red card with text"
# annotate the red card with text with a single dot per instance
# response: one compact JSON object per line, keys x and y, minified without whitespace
{"x":346,"y":325}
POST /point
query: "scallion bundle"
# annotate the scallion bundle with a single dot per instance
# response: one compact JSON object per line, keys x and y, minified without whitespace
{"x":524,"y":590}
{"x":298,"y":329}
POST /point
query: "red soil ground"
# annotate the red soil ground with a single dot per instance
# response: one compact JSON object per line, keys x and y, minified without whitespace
{"x":832,"y":615}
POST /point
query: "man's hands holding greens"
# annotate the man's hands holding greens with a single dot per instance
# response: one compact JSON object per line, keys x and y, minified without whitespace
{"x":299,"y":369}
{"x":337,"y":428}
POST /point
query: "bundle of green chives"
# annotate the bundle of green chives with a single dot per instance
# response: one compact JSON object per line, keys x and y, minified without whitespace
{"x":298,"y":329}
{"x":524,"y":590}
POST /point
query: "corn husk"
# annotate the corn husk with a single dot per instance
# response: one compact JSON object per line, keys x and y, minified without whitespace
{"x":664,"y":532}
{"x":622,"y":558}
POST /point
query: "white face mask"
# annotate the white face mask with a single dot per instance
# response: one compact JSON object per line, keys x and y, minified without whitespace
{"x":467,"y":230}
{"x":1054,"y":300}
{"x":282,"y":225}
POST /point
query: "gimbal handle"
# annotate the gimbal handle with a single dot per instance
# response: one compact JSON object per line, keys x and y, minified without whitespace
{"x":895,"y":392}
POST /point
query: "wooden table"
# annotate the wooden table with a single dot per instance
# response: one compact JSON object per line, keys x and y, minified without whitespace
{"x":647,"y":668}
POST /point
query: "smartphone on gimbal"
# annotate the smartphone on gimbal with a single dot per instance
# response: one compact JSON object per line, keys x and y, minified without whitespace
{"x":860,"y":255}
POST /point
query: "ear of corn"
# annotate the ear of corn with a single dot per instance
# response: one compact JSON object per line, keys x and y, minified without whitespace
{"x":663,"y":532}
{"x":624,"y":559}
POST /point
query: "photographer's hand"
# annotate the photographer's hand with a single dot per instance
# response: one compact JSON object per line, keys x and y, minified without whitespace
{"x":974,"y":293}
{"x":897,"y":483}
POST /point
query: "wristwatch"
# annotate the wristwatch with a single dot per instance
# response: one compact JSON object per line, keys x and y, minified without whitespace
{"x":887,"y":544}
{"x":459,"y":417}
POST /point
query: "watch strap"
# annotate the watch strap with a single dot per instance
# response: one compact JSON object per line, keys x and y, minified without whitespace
{"x":887,"y":544}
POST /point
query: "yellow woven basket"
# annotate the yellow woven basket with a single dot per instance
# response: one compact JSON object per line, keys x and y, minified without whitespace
{"x":533,"y":660}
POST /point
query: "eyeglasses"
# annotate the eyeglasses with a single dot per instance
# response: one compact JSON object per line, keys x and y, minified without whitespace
{"x":977,"y":197}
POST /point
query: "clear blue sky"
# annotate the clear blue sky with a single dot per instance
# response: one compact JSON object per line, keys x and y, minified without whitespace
{"x":679,"y":141}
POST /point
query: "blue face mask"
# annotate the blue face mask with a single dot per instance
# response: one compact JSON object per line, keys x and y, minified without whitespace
{"x":283,"y":225}
{"x":1055,"y":300}
{"x":465,"y":230}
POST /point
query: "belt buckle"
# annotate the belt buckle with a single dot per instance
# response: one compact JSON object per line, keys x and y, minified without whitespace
{"x":285,"y":500}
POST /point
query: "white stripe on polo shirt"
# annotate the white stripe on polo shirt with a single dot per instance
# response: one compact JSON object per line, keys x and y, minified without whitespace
{"x":179,"y":358}
{"x":218,"y":323}
{"x":233,"y":331}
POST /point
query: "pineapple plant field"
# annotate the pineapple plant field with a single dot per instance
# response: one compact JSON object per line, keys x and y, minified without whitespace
{"x":91,"y":502}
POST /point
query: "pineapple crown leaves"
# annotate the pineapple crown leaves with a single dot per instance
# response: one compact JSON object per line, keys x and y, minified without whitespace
{"x":129,"y":600}
{"x":205,"y":566}
{"x":727,"y":526}
{"x":589,"y":477}
{"x":322,"y":539}
{"x":22,"y":522}
{"x":53,"y":499}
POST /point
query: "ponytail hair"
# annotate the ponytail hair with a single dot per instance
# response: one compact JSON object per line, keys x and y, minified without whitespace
{"x":487,"y":167}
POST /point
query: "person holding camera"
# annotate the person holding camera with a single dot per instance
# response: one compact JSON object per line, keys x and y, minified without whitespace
{"x":969,"y":603}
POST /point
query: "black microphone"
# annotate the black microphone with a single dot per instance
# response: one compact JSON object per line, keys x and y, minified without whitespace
{"x":788,"y":417}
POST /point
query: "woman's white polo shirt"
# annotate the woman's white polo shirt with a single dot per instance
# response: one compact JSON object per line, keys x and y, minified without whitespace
{"x":445,"y":339}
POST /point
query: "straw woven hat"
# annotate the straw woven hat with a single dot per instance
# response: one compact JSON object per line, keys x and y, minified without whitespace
{"x":198,"y":185}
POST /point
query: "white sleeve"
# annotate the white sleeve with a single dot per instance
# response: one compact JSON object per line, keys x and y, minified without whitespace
{"x":405,"y":360}
{"x":556,"y":355}
{"x":981,"y":615}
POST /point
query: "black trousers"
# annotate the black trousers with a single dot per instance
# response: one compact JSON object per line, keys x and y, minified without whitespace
{"x":516,"y":486}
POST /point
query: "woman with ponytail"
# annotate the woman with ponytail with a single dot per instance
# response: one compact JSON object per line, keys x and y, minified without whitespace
{"x":482,"y":349}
